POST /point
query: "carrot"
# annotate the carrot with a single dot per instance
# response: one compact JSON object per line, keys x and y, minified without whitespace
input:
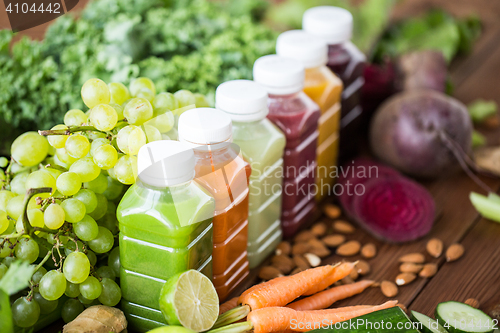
{"x":285,"y":290}
{"x":276,"y":319}
{"x":324,"y":299}
{"x":340,"y":272}
{"x":228,"y":305}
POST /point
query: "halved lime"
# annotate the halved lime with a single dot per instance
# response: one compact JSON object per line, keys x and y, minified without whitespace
{"x":189,"y":299}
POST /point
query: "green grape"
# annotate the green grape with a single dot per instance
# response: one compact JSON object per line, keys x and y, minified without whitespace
{"x":111,"y":172}
{"x":3,"y":162}
{"x":46,"y":306}
{"x":130,"y":139}
{"x":98,"y":185}
{"x":105,"y":272}
{"x":17,"y":184}
{"x":185,"y":98}
{"x":37,"y":276}
{"x":84,"y":300}
{"x":88,"y":198}
{"x":8,"y":261}
{"x":119,"y":92}
{"x":4,"y":222}
{"x":3,"y":270}
{"x":152,"y":133}
{"x":140,"y":83}
{"x":74,"y":210}
{"x":126,"y":169}
{"x":76,"y":267}
{"x":163,"y":122}
{"x":5,"y":250}
{"x":27,"y":249}
{"x":146,"y":94}
{"x":105,"y":156}
{"x":86,"y":169}
{"x":40,"y":178}
{"x":68,"y":183}
{"x":164,"y":102}
{"x":118,"y":110}
{"x":71,"y":309}
{"x":97,"y":143}
{"x":90,"y":288}
{"x":52,"y":285}
{"x":109,"y":220}
{"x":63,"y":156}
{"x":92,"y":257}
{"x":114,"y":260}
{"x":87,"y":229}
{"x":25,"y":313}
{"x":103,"y":242}
{"x":29,"y":149}
{"x":201,"y":101}
{"x":15,"y":207}
{"x":72,"y":290}
{"x":111,"y":292}
{"x":95,"y":92}
{"x":114,"y":189}
{"x":75,"y":117}
{"x":50,"y":158}
{"x":138,"y":111}
{"x":54,"y":216}
{"x":5,"y":197}
{"x":77,"y":146}
{"x":94,"y":135}
{"x":32,"y":204}
{"x":54,"y":172}
{"x":58,"y":141}
{"x":102,"y":206}
{"x":103,"y":117}
{"x":36,"y":218}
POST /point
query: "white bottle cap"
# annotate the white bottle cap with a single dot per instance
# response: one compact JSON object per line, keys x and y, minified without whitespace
{"x":205,"y":126}
{"x":310,"y":50}
{"x":165,"y":163}
{"x":242,"y":100}
{"x":332,"y":24}
{"x":279,"y":75}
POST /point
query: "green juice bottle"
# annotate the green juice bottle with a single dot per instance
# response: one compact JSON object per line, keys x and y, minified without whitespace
{"x":165,"y":224}
{"x":262,"y":145}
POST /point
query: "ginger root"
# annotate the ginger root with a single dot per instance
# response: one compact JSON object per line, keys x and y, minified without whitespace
{"x":98,"y":319}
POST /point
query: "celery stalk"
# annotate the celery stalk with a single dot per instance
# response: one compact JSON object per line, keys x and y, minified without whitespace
{"x":489,"y":206}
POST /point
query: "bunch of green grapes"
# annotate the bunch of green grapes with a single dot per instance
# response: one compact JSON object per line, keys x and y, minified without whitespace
{"x":60,"y":191}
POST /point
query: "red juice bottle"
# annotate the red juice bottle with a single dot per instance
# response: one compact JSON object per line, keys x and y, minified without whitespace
{"x":297,"y":116}
{"x":334,"y":26}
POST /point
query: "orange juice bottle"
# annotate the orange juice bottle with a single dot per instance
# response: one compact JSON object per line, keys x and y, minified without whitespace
{"x":324,"y":88}
{"x":222,"y":171}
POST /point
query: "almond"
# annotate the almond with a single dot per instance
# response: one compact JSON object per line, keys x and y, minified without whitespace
{"x":332,"y":211}
{"x":304,"y":236}
{"x":283,"y":263}
{"x":333,"y":240}
{"x":362,"y":267}
{"x":389,"y":289}
{"x":284,"y":248}
{"x":369,"y":250}
{"x":435,"y":247}
{"x":416,"y":258}
{"x":319,"y":229}
{"x":492,"y":122}
{"x":301,"y":262}
{"x":347,"y":280}
{"x":409,"y":267}
{"x":318,"y":248}
{"x":296,"y":270}
{"x":472,"y":302}
{"x":300,"y":248}
{"x":269,"y":273}
{"x":348,"y":249}
{"x":343,"y":227}
{"x":313,"y":259}
{"x":405,"y":278}
{"x":454,"y":252}
{"x":429,"y":270}
{"x":354,"y":274}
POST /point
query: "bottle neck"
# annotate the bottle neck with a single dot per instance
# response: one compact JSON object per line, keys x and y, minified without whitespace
{"x":285,"y":96}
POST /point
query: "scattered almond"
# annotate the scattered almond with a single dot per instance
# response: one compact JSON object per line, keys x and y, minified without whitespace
{"x":347,"y":280}
{"x":334,"y":240}
{"x":283,"y":263}
{"x":405,"y":278}
{"x":429,"y":270}
{"x":375,"y":285}
{"x":284,"y":248}
{"x":304,"y":236}
{"x":492,"y":122}
{"x":409,"y":267}
{"x":435,"y":247}
{"x":301,"y":262}
{"x":300,"y":248}
{"x":389,"y":289}
{"x":354,"y":274}
{"x":296,"y":270}
{"x":362,"y":267}
{"x":454,"y":252}
{"x":313,"y":259}
{"x":332,"y":211}
{"x":472,"y":302}
{"x":348,"y":249}
{"x":369,"y":250}
{"x":318,"y":248}
{"x":343,"y":227}
{"x":269,"y":273}
{"x":416,"y":258}
{"x":495,"y":312}
{"x":319,"y":229}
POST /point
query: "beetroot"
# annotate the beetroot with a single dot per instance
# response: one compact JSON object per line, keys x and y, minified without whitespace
{"x":426,"y":69}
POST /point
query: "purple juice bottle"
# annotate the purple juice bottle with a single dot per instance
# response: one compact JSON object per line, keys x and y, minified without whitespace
{"x":297,"y":116}
{"x":334,"y":26}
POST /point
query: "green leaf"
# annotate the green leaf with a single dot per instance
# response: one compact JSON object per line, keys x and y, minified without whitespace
{"x":17,"y":277}
{"x":478,"y":139}
{"x":480,"y":109}
{"x":6,"y":325}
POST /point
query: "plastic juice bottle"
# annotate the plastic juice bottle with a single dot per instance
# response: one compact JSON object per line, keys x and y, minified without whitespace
{"x":221,"y":170}
{"x":324,"y":88}
{"x":334,"y":26}
{"x":262,"y":145}
{"x":297,"y":116}
{"x":165,"y":228}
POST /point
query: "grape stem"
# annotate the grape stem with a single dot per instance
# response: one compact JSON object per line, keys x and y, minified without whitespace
{"x":71,"y":129}
{"x":16,"y":235}
{"x":44,"y":260}
{"x":49,"y":231}
{"x":29,"y":194}
{"x":56,"y":167}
